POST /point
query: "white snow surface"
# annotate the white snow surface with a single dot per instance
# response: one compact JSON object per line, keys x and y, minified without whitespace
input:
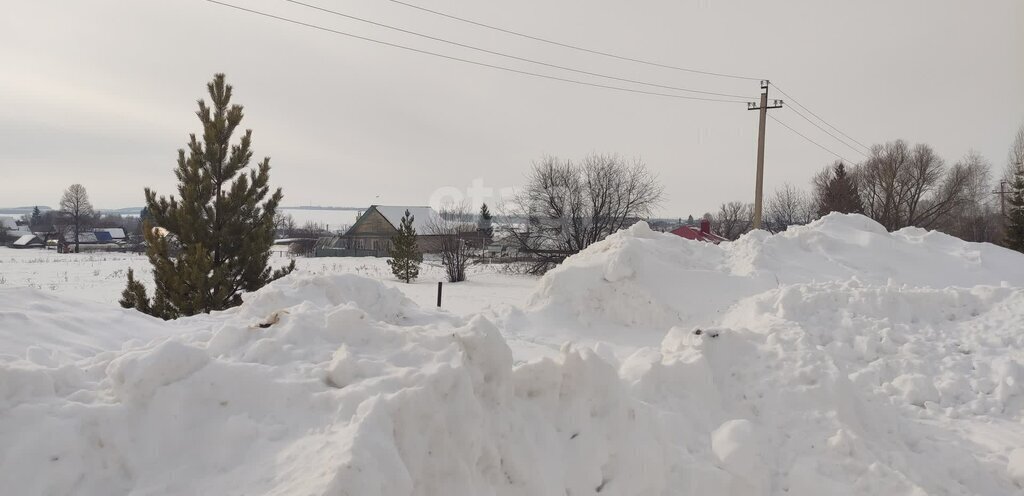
{"x":832,"y":359}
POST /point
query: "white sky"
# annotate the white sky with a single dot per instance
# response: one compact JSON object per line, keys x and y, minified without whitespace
{"x":103,"y":92}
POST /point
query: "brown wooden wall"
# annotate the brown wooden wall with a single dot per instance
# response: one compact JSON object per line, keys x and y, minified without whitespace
{"x":373,"y":223}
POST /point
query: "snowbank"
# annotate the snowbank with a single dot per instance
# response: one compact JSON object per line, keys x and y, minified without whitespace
{"x":833,"y":359}
{"x":644,"y":279}
{"x":302,"y":391}
{"x":54,"y":328}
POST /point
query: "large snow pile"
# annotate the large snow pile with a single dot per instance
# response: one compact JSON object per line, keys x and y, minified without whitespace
{"x":832,"y":359}
{"x":646,"y":279}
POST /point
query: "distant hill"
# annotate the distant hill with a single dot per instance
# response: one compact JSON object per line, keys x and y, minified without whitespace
{"x":311,"y":207}
{"x":19,"y":211}
{"x":133,"y":211}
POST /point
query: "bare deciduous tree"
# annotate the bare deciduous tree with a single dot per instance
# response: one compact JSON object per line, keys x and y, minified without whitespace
{"x":788,"y":206}
{"x":454,"y":238}
{"x":902,"y":186}
{"x":569,"y":206}
{"x":75,"y":205}
{"x":976,"y":217}
{"x":310,"y":229}
{"x":284,"y":224}
{"x":733,"y":219}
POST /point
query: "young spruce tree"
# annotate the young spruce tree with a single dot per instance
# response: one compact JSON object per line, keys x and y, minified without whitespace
{"x":222,"y":221}
{"x":405,"y":257}
{"x":840,"y":194}
{"x":1015,"y":220}
{"x":483,"y":224}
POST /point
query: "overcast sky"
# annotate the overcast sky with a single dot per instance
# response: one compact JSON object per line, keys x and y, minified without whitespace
{"x":103,"y":92}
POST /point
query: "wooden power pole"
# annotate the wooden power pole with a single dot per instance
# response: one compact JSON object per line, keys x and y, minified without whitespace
{"x":763,"y":107}
{"x":1002,"y":197}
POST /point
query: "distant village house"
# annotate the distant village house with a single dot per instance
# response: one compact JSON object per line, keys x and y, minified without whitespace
{"x":703,"y":233}
{"x":371,"y":234}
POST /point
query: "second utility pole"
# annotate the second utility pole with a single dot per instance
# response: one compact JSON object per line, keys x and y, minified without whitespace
{"x":763,"y":107}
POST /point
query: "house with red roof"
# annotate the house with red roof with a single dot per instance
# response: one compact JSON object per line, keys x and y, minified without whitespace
{"x":703,"y":233}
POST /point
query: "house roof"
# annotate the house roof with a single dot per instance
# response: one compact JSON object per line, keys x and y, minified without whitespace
{"x":694,"y":233}
{"x":115,"y":232}
{"x":27,"y":239}
{"x":83,"y":237}
{"x":394,"y":214}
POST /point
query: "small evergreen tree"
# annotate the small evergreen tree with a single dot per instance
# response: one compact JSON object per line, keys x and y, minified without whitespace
{"x":405,"y":257}
{"x":37,"y":217}
{"x":484,"y":223}
{"x":840,"y":194}
{"x":223,"y":220}
{"x":1015,"y":222}
{"x":143,"y":220}
{"x":134,"y":295}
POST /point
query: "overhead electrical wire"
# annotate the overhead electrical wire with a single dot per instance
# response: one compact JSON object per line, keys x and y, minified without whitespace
{"x":647,"y":62}
{"x":826,"y":131}
{"x":468,"y":61}
{"x":509,"y":56}
{"x":819,"y":145}
{"x":573,"y":47}
{"x":557,"y":78}
{"x":794,"y":100}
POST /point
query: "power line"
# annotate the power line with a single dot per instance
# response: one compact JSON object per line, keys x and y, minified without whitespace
{"x":819,"y":117}
{"x":514,"y":57}
{"x":819,"y":145}
{"x":826,"y":131}
{"x":458,"y":59}
{"x":574,"y":47}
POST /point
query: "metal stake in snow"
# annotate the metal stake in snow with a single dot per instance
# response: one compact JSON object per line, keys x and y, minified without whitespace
{"x":760,"y":147}
{"x":439,"y":294}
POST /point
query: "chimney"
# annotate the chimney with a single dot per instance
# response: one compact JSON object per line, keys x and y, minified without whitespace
{"x":705,"y":226}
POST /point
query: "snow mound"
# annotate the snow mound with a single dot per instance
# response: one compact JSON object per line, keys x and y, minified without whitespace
{"x":326,"y":397}
{"x":832,"y":359}
{"x":52,"y":329}
{"x":643,"y":279}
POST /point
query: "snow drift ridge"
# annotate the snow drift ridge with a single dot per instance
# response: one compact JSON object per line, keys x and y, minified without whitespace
{"x":831,"y":359}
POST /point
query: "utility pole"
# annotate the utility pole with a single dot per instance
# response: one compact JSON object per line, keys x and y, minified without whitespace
{"x":1002,"y":196}
{"x":763,"y":107}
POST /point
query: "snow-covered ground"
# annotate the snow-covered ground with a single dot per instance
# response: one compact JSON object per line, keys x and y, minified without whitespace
{"x":100,"y":277}
{"x":834,"y":358}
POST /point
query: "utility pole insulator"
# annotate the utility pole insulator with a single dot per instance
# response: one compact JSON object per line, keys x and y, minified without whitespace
{"x":759,"y":184}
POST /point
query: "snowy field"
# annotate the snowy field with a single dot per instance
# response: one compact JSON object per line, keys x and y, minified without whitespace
{"x":833,"y":359}
{"x":100,"y":277}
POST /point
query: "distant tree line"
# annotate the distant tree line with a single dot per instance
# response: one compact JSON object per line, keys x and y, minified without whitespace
{"x":899,"y":185}
{"x":74,"y":216}
{"x":285,"y":226}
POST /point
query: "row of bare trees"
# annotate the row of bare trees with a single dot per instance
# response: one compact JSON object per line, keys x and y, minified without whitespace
{"x":285,"y":226}
{"x":904,"y":186}
{"x":898,"y":185}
